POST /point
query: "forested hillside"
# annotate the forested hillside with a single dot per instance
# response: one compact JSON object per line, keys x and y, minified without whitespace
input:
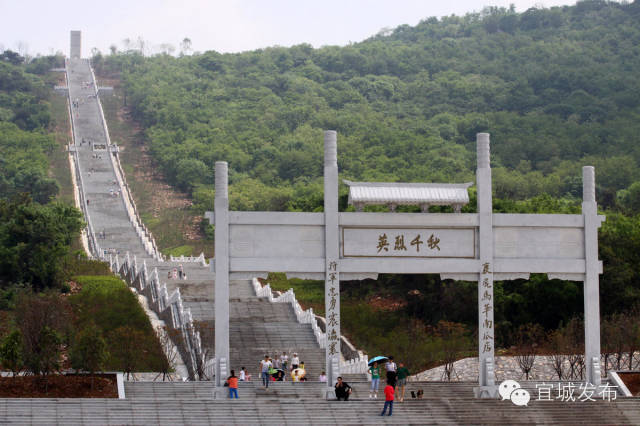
{"x":557,"y":89}
{"x":35,"y":232}
{"x":100,"y":327}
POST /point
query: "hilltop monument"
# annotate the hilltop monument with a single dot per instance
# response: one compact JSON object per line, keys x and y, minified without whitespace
{"x":75,"y":51}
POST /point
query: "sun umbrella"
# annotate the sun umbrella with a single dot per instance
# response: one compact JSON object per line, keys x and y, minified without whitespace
{"x":298,"y":374}
{"x":277,"y":373}
{"x":378,"y":359}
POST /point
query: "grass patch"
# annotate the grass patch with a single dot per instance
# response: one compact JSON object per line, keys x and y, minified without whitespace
{"x":180,"y":251}
{"x":107,"y":303}
{"x":83,"y":266}
{"x":309,"y":293}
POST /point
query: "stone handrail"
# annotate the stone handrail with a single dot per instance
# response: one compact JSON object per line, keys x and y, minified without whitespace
{"x":145,"y":236}
{"x":168,"y":307}
{"x":356,"y":362}
{"x":189,"y":259}
{"x":357,"y":365}
{"x":303,"y":316}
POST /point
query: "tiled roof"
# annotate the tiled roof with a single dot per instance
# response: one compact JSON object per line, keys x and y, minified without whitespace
{"x":408,"y":193}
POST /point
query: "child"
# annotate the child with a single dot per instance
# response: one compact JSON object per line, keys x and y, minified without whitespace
{"x":388,"y":399}
{"x":232,"y":381}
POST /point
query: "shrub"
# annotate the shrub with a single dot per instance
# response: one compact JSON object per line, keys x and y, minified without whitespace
{"x":11,"y":352}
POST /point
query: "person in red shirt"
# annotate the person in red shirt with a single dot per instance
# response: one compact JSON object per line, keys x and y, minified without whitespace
{"x":232,"y":381}
{"x":388,"y":399}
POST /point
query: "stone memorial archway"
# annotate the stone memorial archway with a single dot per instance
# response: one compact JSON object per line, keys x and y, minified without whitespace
{"x":482,"y":247}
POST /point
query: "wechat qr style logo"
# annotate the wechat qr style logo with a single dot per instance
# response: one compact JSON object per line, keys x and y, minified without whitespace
{"x":511,"y":390}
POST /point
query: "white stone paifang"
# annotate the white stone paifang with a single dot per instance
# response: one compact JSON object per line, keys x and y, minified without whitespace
{"x":482,"y":247}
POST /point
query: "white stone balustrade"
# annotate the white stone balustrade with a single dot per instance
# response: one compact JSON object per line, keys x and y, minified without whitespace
{"x":189,"y":259}
{"x":181,"y":317}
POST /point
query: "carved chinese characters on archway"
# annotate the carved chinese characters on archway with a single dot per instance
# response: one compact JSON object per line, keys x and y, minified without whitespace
{"x":486,"y":308}
{"x":333,"y":308}
{"x":408,"y":242}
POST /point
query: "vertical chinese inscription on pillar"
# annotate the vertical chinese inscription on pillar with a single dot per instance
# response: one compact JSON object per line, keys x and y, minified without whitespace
{"x":485,"y":304}
{"x":333,"y":308}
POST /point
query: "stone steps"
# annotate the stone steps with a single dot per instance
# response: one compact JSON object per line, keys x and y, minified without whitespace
{"x":460,"y":411}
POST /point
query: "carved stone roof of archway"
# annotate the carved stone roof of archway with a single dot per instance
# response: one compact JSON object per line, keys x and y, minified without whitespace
{"x":441,"y":194}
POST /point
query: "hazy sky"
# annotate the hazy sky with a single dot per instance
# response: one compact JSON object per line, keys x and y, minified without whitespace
{"x":42,"y":26}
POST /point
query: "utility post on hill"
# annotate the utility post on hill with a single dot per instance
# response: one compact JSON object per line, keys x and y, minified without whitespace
{"x":332,"y":262}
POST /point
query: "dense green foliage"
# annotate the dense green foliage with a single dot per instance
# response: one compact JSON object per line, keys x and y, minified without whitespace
{"x":35,"y":233}
{"x":24,"y":145}
{"x":557,"y":89}
{"x":35,"y":242}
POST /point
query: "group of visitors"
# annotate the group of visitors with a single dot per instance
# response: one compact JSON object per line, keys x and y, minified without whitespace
{"x":277,"y":367}
{"x":177,"y":273}
{"x":396,"y":376}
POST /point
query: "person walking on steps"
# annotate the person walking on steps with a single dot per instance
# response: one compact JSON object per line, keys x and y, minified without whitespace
{"x":388,"y":399}
{"x":403,"y":373}
{"x":391,"y":368}
{"x":265,"y":366}
{"x":232,"y":382}
{"x":375,"y":380}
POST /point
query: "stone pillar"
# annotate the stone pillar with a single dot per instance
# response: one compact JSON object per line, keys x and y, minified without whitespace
{"x":222,"y":272}
{"x":332,"y":265}
{"x":75,"y":51}
{"x":486,"y":335}
{"x":591,"y":279}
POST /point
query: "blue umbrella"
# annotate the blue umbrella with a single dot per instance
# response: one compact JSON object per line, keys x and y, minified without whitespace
{"x":378,"y":359}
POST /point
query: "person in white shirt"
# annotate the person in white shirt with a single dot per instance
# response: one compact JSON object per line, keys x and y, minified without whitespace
{"x":265,"y":366}
{"x":243,"y":375}
{"x":284,"y":360}
{"x":391,"y":368}
{"x":295,"y":361}
{"x":322,"y":378}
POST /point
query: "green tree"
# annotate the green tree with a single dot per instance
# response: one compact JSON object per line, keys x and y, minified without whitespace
{"x":35,"y":241}
{"x":89,"y":351}
{"x":11,"y":352}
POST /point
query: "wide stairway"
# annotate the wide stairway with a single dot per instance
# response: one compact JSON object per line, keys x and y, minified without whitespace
{"x":196,"y":403}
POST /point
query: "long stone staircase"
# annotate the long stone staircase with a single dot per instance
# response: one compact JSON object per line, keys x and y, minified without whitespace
{"x":257,"y":326}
